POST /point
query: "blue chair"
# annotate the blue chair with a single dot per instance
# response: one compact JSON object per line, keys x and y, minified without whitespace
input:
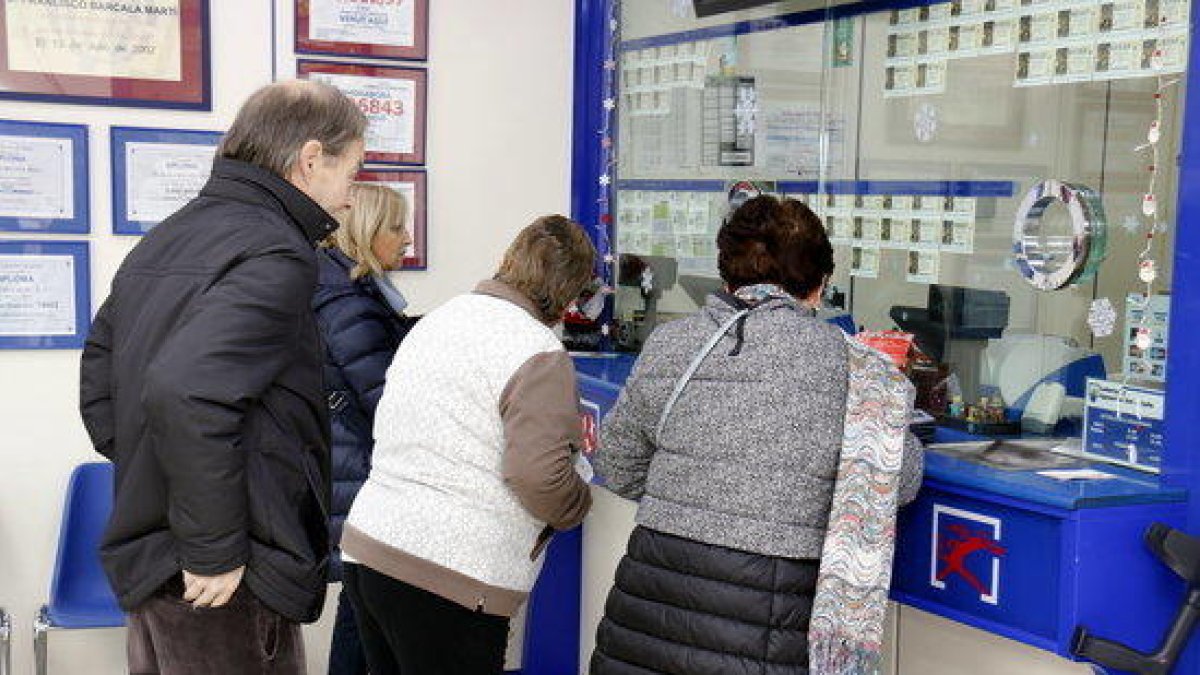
{"x":5,"y":644}
{"x":80,"y":596}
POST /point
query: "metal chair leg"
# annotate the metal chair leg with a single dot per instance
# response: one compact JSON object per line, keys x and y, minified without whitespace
{"x":41,"y":626}
{"x":5,"y":643}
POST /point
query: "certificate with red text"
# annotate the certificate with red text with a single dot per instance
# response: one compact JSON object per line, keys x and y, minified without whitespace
{"x":393,"y":100}
{"x":379,"y":29}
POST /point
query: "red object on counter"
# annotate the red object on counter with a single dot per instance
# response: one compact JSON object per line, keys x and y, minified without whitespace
{"x":899,"y":346}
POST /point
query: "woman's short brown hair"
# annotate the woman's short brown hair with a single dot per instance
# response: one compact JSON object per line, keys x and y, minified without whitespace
{"x":550,"y":262}
{"x":769,"y":240}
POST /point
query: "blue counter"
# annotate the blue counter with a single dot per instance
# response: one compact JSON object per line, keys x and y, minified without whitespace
{"x":1014,"y":553}
{"x":1125,"y":488}
{"x":608,"y":368}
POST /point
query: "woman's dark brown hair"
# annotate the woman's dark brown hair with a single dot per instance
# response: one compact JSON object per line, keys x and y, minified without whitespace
{"x":550,"y":262}
{"x":769,"y":240}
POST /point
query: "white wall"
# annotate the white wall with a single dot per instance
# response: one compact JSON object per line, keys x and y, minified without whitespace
{"x":498,"y":135}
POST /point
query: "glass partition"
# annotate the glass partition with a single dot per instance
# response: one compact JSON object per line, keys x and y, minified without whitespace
{"x":984,"y":168}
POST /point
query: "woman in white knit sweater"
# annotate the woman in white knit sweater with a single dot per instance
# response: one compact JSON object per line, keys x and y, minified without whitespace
{"x":473,"y":465}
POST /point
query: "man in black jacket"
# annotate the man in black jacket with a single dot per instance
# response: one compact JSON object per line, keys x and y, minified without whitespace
{"x":201,"y":381}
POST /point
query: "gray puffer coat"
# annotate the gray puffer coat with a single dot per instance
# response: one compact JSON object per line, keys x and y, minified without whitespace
{"x":719,"y":578}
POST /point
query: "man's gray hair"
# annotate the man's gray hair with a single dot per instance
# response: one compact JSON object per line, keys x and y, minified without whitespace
{"x":277,"y":120}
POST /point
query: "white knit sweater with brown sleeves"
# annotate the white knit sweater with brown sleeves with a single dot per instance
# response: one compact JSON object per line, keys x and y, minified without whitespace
{"x":473,"y":464}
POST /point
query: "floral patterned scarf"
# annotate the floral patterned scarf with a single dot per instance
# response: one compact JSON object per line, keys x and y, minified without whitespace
{"x":846,"y":631}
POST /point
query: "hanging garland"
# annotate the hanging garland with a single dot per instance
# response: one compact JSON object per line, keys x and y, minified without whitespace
{"x":1101,"y":317}
{"x":1147,"y":266}
{"x":607,"y":160}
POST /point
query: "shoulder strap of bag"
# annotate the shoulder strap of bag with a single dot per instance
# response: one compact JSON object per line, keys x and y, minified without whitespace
{"x":691,"y":370}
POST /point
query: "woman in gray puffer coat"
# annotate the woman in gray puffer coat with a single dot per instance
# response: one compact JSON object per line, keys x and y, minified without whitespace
{"x":737,"y":481}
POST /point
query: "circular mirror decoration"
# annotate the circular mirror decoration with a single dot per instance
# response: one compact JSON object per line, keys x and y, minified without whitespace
{"x":741,"y":192}
{"x":1051,"y":263}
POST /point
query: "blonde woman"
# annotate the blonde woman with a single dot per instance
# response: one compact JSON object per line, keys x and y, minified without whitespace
{"x":362,"y":321}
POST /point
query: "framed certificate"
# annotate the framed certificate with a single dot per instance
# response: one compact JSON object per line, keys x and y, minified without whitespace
{"x":45,"y":294}
{"x":43,"y":177}
{"x":155,"y":172}
{"x":149,"y":53}
{"x":391,"y":29}
{"x":393,"y":100}
{"x":411,"y":184}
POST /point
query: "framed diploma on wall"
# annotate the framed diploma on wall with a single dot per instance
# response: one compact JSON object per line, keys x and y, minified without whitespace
{"x":138,"y":53}
{"x":411,"y":184}
{"x":155,"y":172}
{"x":378,"y":29}
{"x":43,"y":177}
{"x":45,"y":294}
{"x":393,"y":100}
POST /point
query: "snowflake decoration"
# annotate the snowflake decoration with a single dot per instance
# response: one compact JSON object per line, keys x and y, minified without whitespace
{"x":605,"y":180}
{"x":1102,"y":317}
{"x":925,"y":123}
{"x":1131,"y":224}
{"x":609,"y":104}
{"x":744,"y":111}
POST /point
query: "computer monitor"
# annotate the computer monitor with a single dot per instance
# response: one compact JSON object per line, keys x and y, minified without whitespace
{"x":652,"y":275}
{"x":969,"y":313}
{"x":954,"y":313}
{"x":663,"y":272}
